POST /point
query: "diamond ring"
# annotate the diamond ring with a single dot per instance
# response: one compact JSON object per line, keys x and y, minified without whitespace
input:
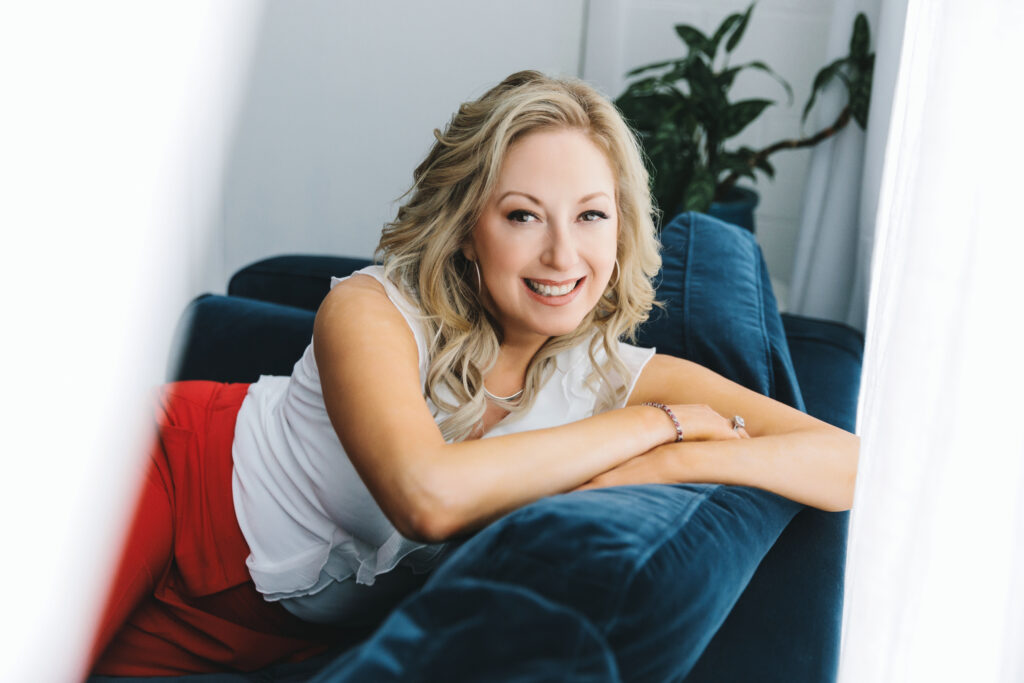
{"x":738,"y":423}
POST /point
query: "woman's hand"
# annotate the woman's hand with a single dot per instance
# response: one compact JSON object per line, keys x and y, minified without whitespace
{"x":699,"y":423}
{"x":703,"y":423}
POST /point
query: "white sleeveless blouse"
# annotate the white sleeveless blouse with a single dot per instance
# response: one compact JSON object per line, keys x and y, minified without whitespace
{"x":305,"y":513}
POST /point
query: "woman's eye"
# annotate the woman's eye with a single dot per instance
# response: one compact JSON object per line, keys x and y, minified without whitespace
{"x":520,"y":216}
{"x":593,"y":216}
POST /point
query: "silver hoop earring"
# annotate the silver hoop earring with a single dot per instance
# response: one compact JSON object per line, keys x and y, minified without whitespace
{"x":479,"y":284}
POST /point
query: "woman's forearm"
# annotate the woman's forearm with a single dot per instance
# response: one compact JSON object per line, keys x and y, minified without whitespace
{"x":465,"y":485}
{"x":816,"y":468}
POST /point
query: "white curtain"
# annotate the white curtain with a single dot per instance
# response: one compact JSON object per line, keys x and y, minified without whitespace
{"x":831,"y":265}
{"x":935,"y":575}
{"x":114,"y":121}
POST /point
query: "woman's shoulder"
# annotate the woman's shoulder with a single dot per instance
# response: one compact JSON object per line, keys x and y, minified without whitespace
{"x":367,"y":299}
{"x":355,"y":295}
{"x":370,"y":283}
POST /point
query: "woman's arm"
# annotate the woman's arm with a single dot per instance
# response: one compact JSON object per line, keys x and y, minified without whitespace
{"x":431,"y":490}
{"x":789,"y":453}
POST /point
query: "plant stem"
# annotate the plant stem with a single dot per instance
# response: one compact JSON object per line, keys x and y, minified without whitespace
{"x":837,"y":125}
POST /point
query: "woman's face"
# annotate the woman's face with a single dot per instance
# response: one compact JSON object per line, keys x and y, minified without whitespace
{"x":546,"y":240}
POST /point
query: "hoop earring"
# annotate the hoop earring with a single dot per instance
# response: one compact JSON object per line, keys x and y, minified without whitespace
{"x":479,"y":285}
{"x":617,"y":269}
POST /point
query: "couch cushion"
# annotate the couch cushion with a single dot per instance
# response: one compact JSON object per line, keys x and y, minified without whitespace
{"x":232,"y":339}
{"x":720,"y":310}
{"x":300,"y":281}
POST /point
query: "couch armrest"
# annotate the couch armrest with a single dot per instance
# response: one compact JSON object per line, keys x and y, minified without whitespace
{"x":827,"y":357}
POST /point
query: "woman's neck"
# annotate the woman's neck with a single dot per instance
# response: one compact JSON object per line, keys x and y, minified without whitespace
{"x":509,"y":372}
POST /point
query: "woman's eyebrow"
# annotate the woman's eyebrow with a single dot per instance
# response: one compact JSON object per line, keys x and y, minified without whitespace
{"x":536,"y":201}
{"x":523,"y":194}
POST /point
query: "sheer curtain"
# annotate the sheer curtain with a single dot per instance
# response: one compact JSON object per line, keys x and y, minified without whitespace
{"x":112,"y":134}
{"x":935,"y":575}
{"x":831,"y":265}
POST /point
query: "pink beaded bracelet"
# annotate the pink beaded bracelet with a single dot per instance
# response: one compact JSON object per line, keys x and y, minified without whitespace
{"x":671,"y":415}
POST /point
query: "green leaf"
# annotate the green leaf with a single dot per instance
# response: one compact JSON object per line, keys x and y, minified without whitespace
{"x":861,"y":38}
{"x":671,"y":157}
{"x":761,"y":66}
{"x":860,"y":96}
{"x":728,"y":25}
{"x":676,"y":63}
{"x":738,"y":162}
{"x":703,"y":86}
{"x":821,"y":81}
{"x":700,"y":192}
{"x":640,"y":87}
{"x":726,"y":77}
{"x":649,"y":67}
{"x":680,"y":68}
{"x":741,"y":114}
{"x":646,"y":111}
{"x":768,"y":169}
{"x":694,"y":39}
{"x":734,"y":39}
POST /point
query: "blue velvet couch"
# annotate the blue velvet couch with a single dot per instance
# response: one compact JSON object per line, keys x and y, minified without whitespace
{"x":785,"y":625}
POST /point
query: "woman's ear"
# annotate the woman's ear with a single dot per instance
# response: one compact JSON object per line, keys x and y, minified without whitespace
{"x":468,"y":251}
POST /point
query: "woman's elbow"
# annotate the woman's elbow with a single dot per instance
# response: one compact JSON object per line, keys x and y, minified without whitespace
{"x":846,"y":480}
{"x":426,"y":525}
{"x":425,"y":514}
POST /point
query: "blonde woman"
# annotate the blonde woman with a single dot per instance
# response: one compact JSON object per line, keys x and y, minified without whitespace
{"x":479,"y":369}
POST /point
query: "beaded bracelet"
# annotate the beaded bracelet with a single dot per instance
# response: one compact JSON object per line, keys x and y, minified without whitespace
{"x":671,"y":415}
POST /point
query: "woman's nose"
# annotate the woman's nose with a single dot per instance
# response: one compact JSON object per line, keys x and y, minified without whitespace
{"x":561,"y":252}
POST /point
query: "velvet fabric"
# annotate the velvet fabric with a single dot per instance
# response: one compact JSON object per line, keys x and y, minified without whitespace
{"x":715,"y":286}
{"x":232,"y":339}
{"x":561,"y":577}
{"x":294,"y":280}
{"x":826,"y":355}
{"x":719,"y":308}
{"x":620,"y":584}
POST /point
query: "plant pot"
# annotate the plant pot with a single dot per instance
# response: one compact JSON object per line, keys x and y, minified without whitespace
{"x":737,"y":208}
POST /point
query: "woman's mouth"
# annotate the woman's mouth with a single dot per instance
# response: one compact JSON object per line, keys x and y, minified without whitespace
{"x":545,"y":289}
{"x":552,"y":293}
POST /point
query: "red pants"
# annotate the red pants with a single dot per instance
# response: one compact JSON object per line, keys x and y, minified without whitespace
{"x":182,"y":601}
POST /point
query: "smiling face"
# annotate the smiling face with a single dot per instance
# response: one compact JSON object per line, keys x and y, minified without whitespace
{"x":545,"y":242}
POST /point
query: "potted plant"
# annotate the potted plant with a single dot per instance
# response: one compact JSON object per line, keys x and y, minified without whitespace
{"x":681,"y":110}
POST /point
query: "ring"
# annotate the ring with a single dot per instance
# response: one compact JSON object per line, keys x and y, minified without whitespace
{"x":738,"y":423}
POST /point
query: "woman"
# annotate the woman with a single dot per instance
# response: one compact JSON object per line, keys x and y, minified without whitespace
{"x":524,"y":252}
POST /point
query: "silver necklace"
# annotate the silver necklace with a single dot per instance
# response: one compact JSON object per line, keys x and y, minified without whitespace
{"x":502,"y":398}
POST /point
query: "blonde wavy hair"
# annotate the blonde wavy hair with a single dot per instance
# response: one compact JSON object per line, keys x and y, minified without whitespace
{"x":421,"y":248}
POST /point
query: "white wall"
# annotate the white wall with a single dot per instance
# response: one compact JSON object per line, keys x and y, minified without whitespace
{"x":789,"y":35}
{"x":340,"y":103}
{"x":341,"y":97}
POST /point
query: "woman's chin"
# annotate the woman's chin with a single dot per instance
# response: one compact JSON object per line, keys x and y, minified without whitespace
{"x":562,"y":328}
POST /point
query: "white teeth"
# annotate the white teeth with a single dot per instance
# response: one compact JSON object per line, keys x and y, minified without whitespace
{"x":549,"y":290}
